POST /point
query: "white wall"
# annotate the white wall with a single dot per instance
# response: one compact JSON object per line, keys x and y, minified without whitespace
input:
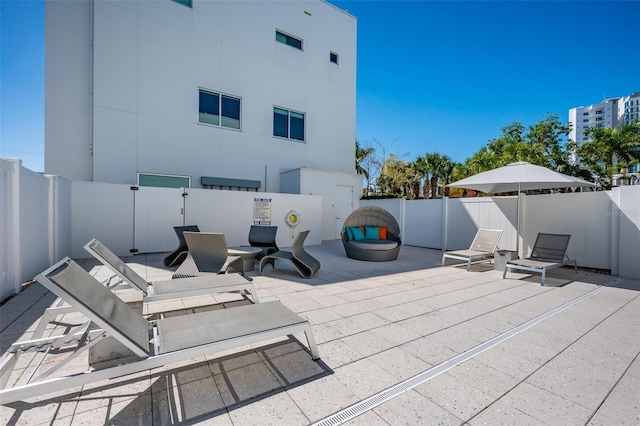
{"x":44,"y":218}
{"x":604,"y":226}
{"x":325,"y":184}
{"x":150,"y":58}
{"x":103,"y":211}
{"x":106,"y":211}
{"x":231,"y":212}
{"x":580,"y":214}
{"x":625,"y":219}
{"x":32,"y":230}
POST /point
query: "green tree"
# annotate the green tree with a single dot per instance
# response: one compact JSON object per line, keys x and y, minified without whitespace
{"x":391,"y":179}
{"x":609,"y":149}
{"x":541,"y":144}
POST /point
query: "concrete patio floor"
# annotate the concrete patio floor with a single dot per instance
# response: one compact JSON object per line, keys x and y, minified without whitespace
{"x":378,"y":324}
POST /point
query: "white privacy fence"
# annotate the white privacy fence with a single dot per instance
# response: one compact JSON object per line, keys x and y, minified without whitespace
{"x":44,"y":218}
{"x":142,"y":220}
{"x":33,"y":226}
{"x":604,"y":226}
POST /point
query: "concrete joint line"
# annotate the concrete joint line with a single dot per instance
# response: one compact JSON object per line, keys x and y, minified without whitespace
{"x":389,"y":393}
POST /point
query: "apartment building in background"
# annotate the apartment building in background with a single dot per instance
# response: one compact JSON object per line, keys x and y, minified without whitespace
{"x":612,"y":113}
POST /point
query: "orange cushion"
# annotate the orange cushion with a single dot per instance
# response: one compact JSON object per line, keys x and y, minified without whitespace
{"x":382,"y":232}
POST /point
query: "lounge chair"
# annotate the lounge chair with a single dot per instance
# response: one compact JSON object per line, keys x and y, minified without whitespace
{"x":305,"y":264}
{"x":208,"y":254}
{"x":482,"y":247}
{"x":549,"y":252}
{"x":151,"y":344}
{"x":151,"y":291}
{"x":178,"y":256}
{"x":170,"y":289}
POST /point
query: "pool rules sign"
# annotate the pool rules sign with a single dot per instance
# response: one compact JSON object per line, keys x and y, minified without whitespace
{"x":262,"y":211}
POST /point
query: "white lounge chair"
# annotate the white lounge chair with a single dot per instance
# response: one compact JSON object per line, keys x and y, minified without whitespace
{"x":151,"y":343}
{"x":549,"y":252}
{"x":482,"y":247}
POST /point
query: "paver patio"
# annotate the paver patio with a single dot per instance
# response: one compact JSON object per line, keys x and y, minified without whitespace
{"x":377,"y":324}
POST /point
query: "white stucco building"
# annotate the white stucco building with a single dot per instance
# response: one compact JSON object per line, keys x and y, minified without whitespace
{"x":202,"y":93}
{"x":600,"y":115}
{"x":612,"y":113}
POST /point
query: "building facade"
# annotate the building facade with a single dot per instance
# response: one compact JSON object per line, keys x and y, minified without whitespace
{"x":199,"y":93}
{"x":613,"y":113}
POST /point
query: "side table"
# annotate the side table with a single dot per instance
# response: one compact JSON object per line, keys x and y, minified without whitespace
{"x":247,"y":254}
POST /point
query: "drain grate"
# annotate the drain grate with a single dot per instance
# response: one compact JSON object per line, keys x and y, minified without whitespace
{"x":390,"y":393}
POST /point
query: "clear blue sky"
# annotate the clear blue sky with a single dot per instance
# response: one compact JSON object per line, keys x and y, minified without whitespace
{"x":441,"y":76}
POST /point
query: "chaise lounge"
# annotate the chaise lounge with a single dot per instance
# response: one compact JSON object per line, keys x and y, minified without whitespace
{"x":482,"y":247}
{"x":371,"y":233}
{"x":549,"y":252}
{"x":142,"y":344}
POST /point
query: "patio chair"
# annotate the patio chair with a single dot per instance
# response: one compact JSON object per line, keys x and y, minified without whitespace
{"x":263,"y":237}
{"x":143,"y":344}
{"x":178,"y":256}
{"x":482,"y":247}
{"x":151,"y":291}
{"x":549,"y":252}
{"x":305,"y":264}
{"x":208,"y":254}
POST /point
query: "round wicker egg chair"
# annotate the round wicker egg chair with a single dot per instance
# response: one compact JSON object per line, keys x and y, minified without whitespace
{"x":377,"y":250}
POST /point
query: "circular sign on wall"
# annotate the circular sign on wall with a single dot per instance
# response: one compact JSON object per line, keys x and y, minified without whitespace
{"x":292,"y":218}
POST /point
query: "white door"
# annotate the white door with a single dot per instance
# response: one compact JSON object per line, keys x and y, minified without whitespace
{"x":157,"y":211}
{"x":344,"y":206}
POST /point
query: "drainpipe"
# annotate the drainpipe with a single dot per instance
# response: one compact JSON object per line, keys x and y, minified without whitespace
{"x":91,"y":88}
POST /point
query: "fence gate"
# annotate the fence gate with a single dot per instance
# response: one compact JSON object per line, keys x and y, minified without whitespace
{"x":156,"y":212}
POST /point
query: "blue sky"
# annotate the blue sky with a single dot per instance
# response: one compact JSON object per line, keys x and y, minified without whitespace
{"x":433,"y":76}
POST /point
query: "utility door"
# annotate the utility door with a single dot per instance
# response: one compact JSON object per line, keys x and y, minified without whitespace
{"x":157,"y":211}
{"x":344,"y":206}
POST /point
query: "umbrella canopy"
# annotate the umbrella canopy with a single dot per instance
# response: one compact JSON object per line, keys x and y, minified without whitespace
{"x":520,"y":176}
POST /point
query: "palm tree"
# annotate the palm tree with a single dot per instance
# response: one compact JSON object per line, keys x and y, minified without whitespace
{"x":446,"y":173}
{"x":608,"y":147}
{"x":362,"y":157}
{"x":428,"y":166}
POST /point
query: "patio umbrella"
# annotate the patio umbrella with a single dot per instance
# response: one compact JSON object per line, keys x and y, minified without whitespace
{"x":520,"y":176}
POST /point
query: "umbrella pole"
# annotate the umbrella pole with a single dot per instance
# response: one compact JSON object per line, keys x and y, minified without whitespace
{"x":518,"y":225}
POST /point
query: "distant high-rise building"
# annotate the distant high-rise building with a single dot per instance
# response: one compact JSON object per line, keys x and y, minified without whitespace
{"x":612,"y":113}
{"x":602,"y":115}
{"x":629,"y":109}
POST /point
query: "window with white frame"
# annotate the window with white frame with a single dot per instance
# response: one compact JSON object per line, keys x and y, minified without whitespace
{"x":218,"y":109}
{"x":288,"y":124}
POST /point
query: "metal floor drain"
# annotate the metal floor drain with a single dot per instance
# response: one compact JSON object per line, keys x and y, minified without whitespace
{"x":390,"y":393}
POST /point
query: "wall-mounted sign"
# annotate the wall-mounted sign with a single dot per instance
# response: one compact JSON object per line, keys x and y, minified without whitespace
{"x":262,"y":211}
